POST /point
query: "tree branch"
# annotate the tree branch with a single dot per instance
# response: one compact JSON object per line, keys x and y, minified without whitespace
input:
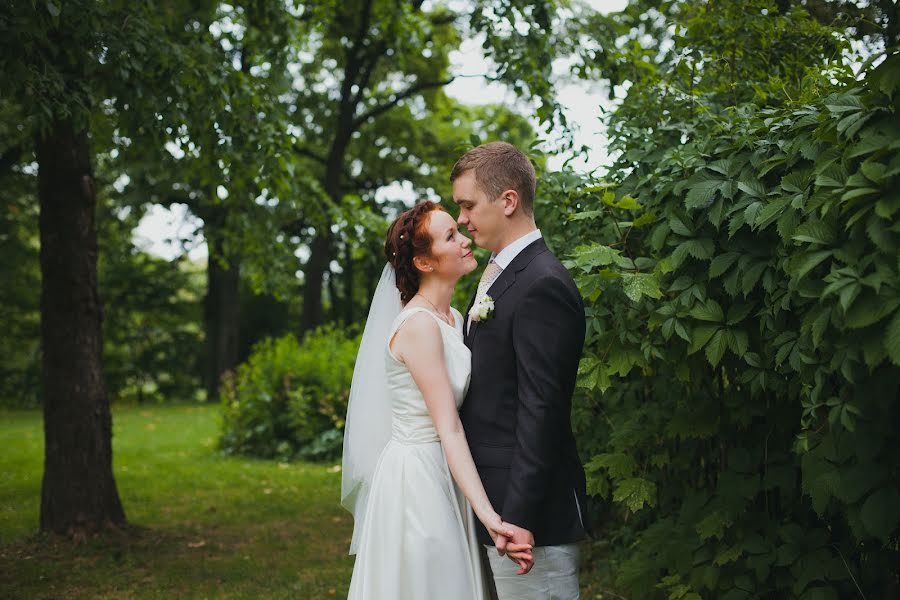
{"x":410,"y":91}
{"x":310,"y":154}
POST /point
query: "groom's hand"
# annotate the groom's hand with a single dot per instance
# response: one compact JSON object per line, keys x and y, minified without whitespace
{"x":522,"y":538}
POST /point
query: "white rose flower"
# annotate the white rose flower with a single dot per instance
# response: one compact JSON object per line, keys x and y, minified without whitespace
{"x":482,"y":309}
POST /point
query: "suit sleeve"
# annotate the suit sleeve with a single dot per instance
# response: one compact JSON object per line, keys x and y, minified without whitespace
{"x":548,"y":324}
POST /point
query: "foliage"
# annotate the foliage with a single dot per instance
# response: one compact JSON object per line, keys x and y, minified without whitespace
{"x":738,"y":405}
{"x":289,"y":397}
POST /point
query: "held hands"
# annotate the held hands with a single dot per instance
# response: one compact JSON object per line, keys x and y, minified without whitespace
{"x":516,"y":543}
{"x":520,"y":538}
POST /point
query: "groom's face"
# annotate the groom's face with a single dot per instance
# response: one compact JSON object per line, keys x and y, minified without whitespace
{"x":483,"y":218}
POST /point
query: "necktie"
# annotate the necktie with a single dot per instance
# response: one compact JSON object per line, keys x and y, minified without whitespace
{"x":491,"y":272}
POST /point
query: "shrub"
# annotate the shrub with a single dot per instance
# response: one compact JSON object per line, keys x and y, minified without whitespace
{"x":286,"y":398}
{"x":742,"y":368}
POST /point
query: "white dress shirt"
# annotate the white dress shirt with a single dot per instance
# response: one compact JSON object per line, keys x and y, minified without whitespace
{"x":507,"y":255}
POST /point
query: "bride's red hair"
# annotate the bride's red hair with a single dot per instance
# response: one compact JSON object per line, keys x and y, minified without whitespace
{"x":408,"y":237}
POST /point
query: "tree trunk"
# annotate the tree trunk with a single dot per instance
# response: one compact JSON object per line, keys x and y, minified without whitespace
{"x":348,"y":283}
{"x":78,"y":494}
{"x":221,"y":311}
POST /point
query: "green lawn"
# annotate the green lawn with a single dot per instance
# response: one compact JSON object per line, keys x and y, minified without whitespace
{"x":208,"y":526}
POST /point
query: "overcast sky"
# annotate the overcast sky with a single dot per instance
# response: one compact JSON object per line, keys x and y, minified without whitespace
{"x":581,"y":101}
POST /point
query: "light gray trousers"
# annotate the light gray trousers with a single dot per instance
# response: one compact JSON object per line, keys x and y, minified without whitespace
{"x":554,"y":576}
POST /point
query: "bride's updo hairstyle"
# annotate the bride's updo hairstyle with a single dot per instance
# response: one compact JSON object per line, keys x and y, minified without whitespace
{"x":408,"y":237}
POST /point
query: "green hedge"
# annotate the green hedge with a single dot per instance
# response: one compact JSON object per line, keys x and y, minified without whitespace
{"x":289,"y":399}
{"x":740,"y":383}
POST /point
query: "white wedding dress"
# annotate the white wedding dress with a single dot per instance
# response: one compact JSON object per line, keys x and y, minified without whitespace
{"x":418,"y":537}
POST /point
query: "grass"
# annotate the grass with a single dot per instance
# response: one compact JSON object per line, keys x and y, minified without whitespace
{"x":206,"y":526}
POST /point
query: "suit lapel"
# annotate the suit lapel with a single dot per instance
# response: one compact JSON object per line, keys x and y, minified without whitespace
{"x":467,"y":329}
{"x":505,"y":280}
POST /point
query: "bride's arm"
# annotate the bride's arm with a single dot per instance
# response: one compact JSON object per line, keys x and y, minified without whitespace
{"x":420,"y":346}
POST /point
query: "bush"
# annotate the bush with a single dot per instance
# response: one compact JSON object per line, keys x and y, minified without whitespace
{"x":289,"y":399}
{"x":742,"y":368}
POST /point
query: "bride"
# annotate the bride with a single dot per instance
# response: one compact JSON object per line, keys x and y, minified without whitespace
{"x":407,"y":470}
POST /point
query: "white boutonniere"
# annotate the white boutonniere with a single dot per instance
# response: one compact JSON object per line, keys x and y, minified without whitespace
{"x":483,"y":309}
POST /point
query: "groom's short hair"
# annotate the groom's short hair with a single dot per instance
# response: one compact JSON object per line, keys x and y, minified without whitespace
{"x":498,"y":167}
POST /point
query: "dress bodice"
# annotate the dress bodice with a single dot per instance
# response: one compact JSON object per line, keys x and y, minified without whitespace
{"x":411,"y":422}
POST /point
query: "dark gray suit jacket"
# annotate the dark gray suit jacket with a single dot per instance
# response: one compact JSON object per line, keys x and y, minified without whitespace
{"x":516,"y":413}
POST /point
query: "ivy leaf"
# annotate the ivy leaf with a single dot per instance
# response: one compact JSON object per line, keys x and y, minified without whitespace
{"x":881,"y":513}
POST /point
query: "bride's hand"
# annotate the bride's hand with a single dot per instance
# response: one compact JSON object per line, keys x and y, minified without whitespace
{"x":498,"y":531}
{"x":502,"y":535}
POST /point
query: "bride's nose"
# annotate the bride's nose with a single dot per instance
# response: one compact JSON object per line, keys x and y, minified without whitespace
{"x":466,"y":242}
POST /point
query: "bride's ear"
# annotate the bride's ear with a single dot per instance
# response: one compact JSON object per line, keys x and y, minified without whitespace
{"x":423,"y":264}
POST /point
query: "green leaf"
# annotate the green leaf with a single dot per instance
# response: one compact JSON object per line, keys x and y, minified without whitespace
{"x":702,"y":188}
{"x":842,"y":103}
{"x":635,"y":492}
{"x":721,"y":263}
{"x":678,"y":226}
{"x":752,"y":187}
{"x":795,"y":182}
{"x":739,"y":342}
{"x":637,"y":285}
{"x":881,"y":512}
{"x":715,"y":349}
{"x":700,"y":249}
{"x":737,"y":312}
{"x":617,"y":464}
{"x":700,"y":335}
{"x":892,"y":339}
{"x":625,"y":202}
{"x":814,"y":232}
{"x":771,"y":211}
{"x":870,"y":309}
{"x":713,"y":524}
{"x":801,"y":264}
{"x":708,"y":311}
{"x":874,"y":171}
{"x":730,"y":555}
{"x":858,"y":193}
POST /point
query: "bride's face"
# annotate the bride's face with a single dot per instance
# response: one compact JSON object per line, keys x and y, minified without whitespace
{"x":451,"y":251}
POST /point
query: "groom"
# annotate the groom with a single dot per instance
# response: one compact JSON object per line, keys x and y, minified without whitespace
{"x":525,"y":328}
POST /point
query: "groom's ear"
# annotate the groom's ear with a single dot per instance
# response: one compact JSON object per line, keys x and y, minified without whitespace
{"x":510,"y":200}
